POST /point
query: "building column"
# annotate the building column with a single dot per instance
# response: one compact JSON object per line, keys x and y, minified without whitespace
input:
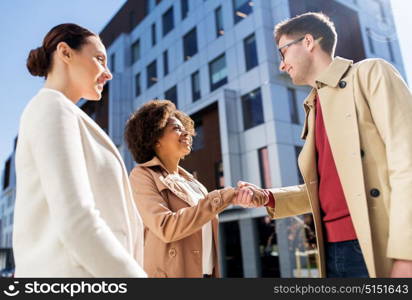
{"x":250,"y":248}
{"x":230,"y":131}
{"x":286,"y":255}
{"x":222,"y":250}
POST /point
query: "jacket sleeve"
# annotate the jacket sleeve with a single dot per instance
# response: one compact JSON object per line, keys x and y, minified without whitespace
{"x":168,"y":225}
{"x":390,"y":103}
{"x":56,"y":145}
{"x":289,"y":201}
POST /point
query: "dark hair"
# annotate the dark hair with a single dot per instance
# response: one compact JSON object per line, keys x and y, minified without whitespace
{"x":39,"y":60}
{"x":316,"y":24}
{"x":147,"y":124}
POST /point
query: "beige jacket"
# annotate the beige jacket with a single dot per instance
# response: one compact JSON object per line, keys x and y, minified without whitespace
{"x":173,"y":223}
{"x":74,"y":214}
{"x":367,"y":111}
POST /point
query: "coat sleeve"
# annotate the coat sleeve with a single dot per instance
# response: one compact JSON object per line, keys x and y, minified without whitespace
{"x":55,"y":141}
{"x":390,"y":103}
{"x":168,"y":225}
{"x":289,"y":201}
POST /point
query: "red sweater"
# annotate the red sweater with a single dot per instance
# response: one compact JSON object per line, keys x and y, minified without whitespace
{"x":336,"y":217}
{"x":335,"y":213}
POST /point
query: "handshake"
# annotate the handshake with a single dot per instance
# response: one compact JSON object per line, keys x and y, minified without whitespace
{"x":249,"y":195}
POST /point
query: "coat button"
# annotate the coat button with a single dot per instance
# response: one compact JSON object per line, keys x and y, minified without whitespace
{"x":172,"y":252}
{"x":362,"y":153}
{"x":216,"y":201}
{"x":375,"y":193}
{"x":342,"y":84}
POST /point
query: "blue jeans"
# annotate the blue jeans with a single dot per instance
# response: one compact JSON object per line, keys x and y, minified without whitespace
{"x":345,"y":259}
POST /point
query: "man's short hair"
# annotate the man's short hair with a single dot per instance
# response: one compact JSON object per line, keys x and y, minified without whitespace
{"x":316,"y":24}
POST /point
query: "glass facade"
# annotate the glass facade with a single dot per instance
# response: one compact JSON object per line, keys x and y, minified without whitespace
{"x":252,"y":109}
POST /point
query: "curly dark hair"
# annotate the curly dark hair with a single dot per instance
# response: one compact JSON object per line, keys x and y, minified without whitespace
{"x":146,"y":125}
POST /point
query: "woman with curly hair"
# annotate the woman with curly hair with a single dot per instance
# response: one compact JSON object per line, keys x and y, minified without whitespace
{"x":179,"y":215}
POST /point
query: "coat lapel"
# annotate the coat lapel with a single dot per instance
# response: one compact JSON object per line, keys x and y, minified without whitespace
{"x":102,"y":134}
{"x":174,"y":187}
{"x":308,"y":166}
{"x":166,"y":182}
{"x":134,"y":221}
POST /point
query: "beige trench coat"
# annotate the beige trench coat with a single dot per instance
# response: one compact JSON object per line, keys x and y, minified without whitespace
{"x":367,"y":110}
{"x":173,"y":222}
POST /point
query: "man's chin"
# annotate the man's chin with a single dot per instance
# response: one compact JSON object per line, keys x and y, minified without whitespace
{"x":297,"y":82}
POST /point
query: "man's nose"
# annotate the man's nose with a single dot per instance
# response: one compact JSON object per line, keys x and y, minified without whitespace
{"x":108,"y":74}
{"x":282,"y":66}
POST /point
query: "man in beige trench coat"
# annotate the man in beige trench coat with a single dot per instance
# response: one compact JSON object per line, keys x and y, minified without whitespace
{"x":357,"y":158}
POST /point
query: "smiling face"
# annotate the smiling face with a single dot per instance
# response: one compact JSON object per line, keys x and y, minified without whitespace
{"x":88,"y":69}
{"x":297,"y":59}
{"x":175,"y":141}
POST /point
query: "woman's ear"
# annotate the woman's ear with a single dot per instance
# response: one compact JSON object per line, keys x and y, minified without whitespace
{"x":64,"y":52}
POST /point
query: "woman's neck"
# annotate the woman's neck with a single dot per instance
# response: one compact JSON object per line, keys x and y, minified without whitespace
{"x":170,"y":163}
{"x":60,"y":84}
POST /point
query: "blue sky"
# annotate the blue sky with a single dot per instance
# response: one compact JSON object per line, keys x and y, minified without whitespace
{"x":23,"y":24}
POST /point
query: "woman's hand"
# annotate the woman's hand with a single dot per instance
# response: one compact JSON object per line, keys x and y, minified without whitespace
{"x":250,"y":195}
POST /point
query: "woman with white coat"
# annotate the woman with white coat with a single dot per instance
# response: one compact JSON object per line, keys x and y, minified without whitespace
{"x":74,"y":215}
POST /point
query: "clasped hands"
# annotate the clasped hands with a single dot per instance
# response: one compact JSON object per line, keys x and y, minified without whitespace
{"x":249,"y":195}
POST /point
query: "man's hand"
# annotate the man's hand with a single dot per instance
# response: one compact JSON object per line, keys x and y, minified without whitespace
{"x":250,"y":195}
{"x":401,"y":268}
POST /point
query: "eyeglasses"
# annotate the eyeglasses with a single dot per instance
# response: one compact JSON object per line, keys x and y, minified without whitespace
{"x":282,"y":57}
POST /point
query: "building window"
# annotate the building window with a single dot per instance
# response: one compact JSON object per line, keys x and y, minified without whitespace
{"x":232,"y":249}
{"x":171,"y":94}
{"x":135,"y":51}
{"x":220,"y":178}
{"x":252,"y":109}
{"x":151,"y":74}
{"x":251,"y":58}
{"x":370,"y":40}
{"x":113,"y":63}
{"x":217,"y":72}
{"x":195,"y":86}
{"x":165,"y":63}
{"x":381,"y":11}
{"x":190,"y":44}
{"x":264,"y":168}
{"x":390,"y":49}
{"x":242,"y":8}
{"x":198,"y":140}
{"x":137,"y":86}
{"x":168,"y":21}
{"x":153,"y":34}
{"x":6,"y":179}
{"x":184,"y":6}
{"x":293,"y":107}
{"x":298,"y":149}
{"x":219,"y":22}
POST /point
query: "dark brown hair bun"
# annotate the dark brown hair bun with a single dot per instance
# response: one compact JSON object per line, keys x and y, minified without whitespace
{"x":38,"y":62}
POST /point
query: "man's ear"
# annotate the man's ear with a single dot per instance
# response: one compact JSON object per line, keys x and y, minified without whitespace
{"x":309,"y":41}
{"x":64,"y":52}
